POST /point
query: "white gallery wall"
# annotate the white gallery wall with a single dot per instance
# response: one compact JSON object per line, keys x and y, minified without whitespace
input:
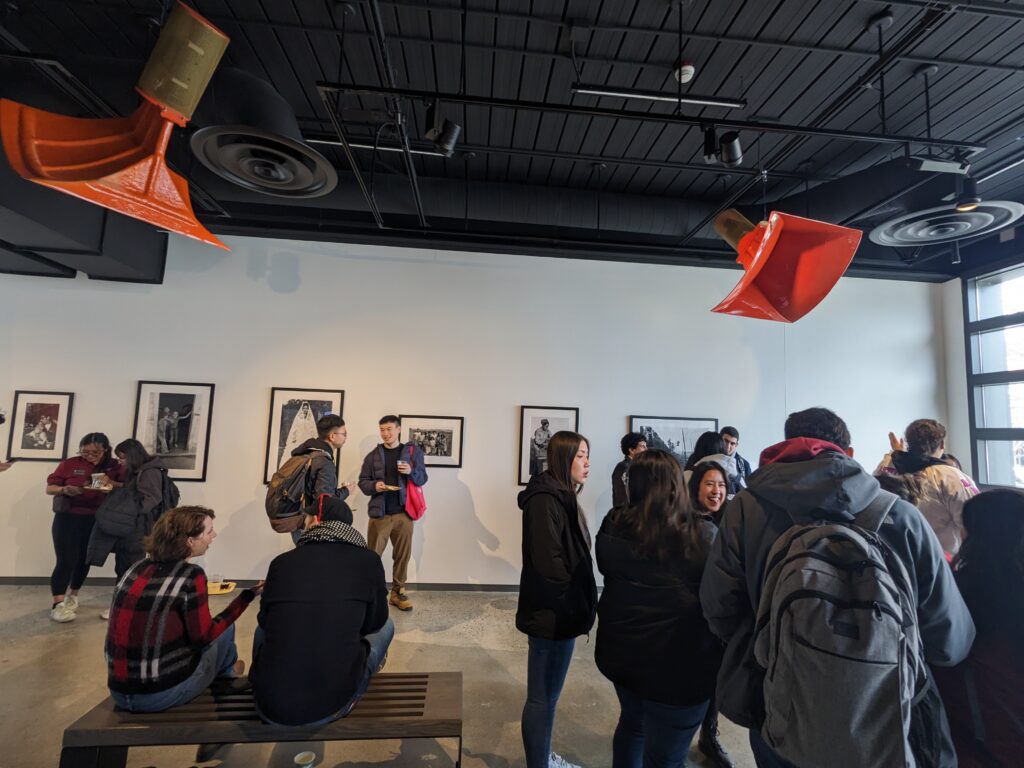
{"x":445,"y":333}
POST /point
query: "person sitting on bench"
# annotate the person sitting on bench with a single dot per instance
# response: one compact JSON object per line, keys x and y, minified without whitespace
{"x":323,"y":628}
{"x":163,"y":648}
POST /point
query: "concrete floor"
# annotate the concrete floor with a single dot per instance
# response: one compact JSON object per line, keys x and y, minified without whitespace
{"x":51,"y":674}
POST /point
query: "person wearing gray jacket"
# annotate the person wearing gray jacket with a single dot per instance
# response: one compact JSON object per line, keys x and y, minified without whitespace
{"x":811,"y":475}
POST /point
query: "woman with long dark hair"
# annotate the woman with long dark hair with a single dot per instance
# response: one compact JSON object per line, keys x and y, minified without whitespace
{"x":557,"y":591}
{"x":74,"y":506}
{"x":652,"y":640}
{"x":984,"y":696}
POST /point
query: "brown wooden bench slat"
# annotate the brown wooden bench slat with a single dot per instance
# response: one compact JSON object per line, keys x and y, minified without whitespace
{"x":225,"y":715}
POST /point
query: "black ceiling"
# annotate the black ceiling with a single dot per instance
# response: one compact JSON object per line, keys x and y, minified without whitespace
{"x":528,"y":180}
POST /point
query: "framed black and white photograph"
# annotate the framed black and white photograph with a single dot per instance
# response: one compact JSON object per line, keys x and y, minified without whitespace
{"x":294,"y":413}
{"x":440,"y":437}
{"x":172,"y":421}
{"x":675,"y":434}
{"x":536,"y":426}
{"x":39,"y":426}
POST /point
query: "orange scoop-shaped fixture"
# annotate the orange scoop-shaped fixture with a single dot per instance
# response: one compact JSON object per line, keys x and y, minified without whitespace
{"x":791,"y":263}
{"x":120,"y":163}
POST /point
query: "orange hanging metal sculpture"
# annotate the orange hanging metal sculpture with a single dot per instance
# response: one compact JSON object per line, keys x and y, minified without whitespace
{"x":119,"y":163}
{"x":791,"y":263}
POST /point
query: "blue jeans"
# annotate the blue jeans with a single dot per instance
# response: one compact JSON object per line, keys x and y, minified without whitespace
{"x":217,"y":660}
{"x":546,"y":668}
{"x":653,"y":735}
{"x":379,"y":643}
{"x":763,"y":754}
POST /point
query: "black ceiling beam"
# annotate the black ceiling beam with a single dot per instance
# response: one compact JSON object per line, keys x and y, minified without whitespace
{"x":709,"y":37}
{"x":974,"y":7}
{"x":676,"y":119}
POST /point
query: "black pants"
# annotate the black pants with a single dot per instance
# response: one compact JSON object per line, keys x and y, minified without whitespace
{"x":70,"y":542}
{"x":126,"y":554}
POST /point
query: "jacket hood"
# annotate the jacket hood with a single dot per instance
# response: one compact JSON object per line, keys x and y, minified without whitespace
{"x":155,"y":463}
{"x":546,"y":483}
{"x":906,"y":463}
{"x":805,"y":476}
{"x":311,"y":444}
{"x":728,"y":463}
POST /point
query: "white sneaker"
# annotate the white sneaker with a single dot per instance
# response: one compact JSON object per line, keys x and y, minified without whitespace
{"x":105,"y":614}
{"x":71,"y":601}
{"x":555,"y":760}
{"x":61,"y":613}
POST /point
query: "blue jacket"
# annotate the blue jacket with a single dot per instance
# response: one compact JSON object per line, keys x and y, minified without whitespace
{"x":373,"y":470}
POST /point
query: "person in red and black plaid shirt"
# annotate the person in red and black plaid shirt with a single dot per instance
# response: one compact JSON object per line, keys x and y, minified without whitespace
{"x":163,"y":648}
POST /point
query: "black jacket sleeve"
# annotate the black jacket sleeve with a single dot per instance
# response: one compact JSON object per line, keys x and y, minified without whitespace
{"x":377,"y":610}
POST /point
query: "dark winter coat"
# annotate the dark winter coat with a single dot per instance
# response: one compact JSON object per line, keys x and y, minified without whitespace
{"x":652,"y":638}
{"x":373,"y":470}
{"x":148,"y":487}
{"x":323,"y":473}
{"x":557,"y":590}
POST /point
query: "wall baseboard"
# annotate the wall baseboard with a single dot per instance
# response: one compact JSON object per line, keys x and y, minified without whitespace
{"x":109,"y":581}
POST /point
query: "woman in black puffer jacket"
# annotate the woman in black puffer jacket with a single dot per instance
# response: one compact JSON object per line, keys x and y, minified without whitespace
{"x":557,"y":591}
{"x":652,"y":640}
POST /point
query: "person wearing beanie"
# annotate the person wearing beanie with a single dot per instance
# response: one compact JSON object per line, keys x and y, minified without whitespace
{"x":316,"y":648}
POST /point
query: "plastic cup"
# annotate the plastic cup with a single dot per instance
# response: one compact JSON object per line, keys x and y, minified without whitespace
{"x":305,"y":759}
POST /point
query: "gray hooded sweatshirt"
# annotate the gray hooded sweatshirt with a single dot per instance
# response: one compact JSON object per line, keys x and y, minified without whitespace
{"x":804,"y":480}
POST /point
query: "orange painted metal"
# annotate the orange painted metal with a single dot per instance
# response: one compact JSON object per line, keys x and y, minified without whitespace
{"x":791,"y":263}
{"x":118,"y":163}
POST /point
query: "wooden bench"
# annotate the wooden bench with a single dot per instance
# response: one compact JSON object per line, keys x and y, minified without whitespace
{"x":396,"y":706}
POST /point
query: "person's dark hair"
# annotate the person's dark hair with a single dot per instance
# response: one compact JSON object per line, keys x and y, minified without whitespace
{"x":730,"y":431}
{"x":168,"y":543}
{"x":708,"y":444}
{"x":924,"y":437}
{"x":990,"y":564}
{"x":389,"y":419}
{"x":96,"y":438}
{"x":135,"y":455}
{"x":659,"y":514}
{"x":631,"y":441}
{"x":907,"y":487}
{"x":562,"y":450}
{"x":325,"y":424}
{"x":818,"y":424}
{"x":697,"y":477}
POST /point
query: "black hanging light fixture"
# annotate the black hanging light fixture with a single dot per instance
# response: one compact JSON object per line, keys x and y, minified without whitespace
{"x":967,"y":198}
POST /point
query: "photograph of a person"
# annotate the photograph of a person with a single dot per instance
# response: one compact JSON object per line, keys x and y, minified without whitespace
{"x":172,"y":421}
{"x":536,"y":426}
{"x":293,"y":416}
{"x":440,"y":438}
{"x":39,"y":426}
{"x":675,"y":434}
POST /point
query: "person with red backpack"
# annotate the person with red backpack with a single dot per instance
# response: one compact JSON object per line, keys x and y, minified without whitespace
{"x":833,"y":597}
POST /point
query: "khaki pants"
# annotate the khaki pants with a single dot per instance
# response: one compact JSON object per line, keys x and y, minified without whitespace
{"x":397,"y":529}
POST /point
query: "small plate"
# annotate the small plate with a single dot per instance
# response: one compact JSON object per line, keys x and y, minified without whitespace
{"x":392,"y":487}
{"x":221,"y":587}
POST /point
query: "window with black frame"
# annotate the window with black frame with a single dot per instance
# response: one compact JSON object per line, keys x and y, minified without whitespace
{"x":994,"y":304}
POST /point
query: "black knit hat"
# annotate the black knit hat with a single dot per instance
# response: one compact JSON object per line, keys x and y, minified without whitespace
{"x":329,"y":507}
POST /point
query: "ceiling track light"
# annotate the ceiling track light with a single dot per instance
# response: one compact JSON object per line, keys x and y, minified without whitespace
{"x":967,"y":198}
{"x":441,"y":132}
{"x":668,"y":98}
{"x":728,"y":150}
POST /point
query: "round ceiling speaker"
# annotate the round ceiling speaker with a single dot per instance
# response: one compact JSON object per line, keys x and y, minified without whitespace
{"x":263,"y":161}
{"x":945,"y":224}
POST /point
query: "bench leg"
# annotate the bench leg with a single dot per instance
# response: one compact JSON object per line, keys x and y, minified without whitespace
{"x":94,"y":757}
{"x":458,"y":759}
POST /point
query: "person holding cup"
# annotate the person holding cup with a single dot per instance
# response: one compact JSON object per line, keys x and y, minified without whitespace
{"x":74,"y":505}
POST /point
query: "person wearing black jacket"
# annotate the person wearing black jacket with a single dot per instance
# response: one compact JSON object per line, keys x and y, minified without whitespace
{"x":323,"y":628}
{"x":632,"y":444}
{"x":323,"y":472}
{"x":557,"y":591}
{"x":653,"y":642}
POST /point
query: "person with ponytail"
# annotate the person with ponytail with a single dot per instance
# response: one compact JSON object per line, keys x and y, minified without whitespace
{"x":653,"y":642}
{"x":557,"y":590}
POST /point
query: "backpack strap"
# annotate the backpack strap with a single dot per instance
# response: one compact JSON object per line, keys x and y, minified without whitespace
{"x":873,"y":515}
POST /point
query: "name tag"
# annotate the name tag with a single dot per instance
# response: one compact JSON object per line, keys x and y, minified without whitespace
{"x":78,"y":472}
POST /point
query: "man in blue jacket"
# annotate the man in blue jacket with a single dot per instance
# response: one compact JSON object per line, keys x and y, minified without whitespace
{"x":386,"y":472}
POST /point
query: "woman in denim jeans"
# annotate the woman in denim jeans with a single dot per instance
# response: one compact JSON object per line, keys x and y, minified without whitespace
{"x":557,"y":592}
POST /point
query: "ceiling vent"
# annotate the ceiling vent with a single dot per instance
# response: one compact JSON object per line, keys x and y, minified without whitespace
{"x":251,"y":138}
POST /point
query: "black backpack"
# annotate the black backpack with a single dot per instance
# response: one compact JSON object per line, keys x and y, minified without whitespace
{"x":170,"y":498}
{"x":286,"y":493}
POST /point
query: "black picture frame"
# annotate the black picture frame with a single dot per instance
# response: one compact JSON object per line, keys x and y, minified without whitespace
{"x":456,"y":424}
{"x":682,"y":433}
{"x":279,"y":398}
{"x":46,"y":446}
{"x":533,"y":457}
{"x":187,"y":459}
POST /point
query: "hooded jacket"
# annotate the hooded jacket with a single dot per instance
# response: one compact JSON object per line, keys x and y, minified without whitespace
{"x":323,"y":474}
{"x":374,"y":469}
{"x":557,"y":590}
{"x":801,"y":480}
{"x":649,"y":612}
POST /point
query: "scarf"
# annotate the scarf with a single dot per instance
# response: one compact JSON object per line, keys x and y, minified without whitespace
{"x":333,"y":531}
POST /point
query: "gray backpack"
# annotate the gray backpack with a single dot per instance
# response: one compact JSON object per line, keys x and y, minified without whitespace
{"x":837,"y":636}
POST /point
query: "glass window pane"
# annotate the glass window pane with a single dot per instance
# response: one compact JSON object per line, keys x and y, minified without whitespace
{"x":998,"y":294}
{"x":998,"y":350}
{"x":1001,"y":462}
{"x":999,"y":406}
